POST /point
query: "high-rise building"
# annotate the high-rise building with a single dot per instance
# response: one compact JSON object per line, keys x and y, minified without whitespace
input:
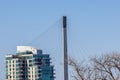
{"x":29,"y":63}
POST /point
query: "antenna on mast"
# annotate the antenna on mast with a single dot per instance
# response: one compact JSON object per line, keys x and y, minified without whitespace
{"x":65,"y":48}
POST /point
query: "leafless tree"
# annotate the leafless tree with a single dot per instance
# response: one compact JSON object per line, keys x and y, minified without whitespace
{"x":106,"y":67}
{"x":81,"y":71}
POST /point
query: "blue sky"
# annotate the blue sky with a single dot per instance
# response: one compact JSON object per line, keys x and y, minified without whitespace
{"x":93,"y":28}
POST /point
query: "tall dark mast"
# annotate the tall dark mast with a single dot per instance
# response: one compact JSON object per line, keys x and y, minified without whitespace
{"x":65,"y":48}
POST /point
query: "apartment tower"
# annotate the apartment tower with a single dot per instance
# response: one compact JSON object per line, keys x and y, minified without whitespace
{"x":29,"y":63}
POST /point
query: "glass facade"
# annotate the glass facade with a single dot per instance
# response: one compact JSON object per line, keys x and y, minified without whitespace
{"x":29,"y":66}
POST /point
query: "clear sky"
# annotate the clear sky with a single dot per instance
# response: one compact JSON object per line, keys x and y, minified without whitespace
{"x":93,"y":28}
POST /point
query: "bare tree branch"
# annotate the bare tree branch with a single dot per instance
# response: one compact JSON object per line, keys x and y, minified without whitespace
{"x":106,"y":67}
